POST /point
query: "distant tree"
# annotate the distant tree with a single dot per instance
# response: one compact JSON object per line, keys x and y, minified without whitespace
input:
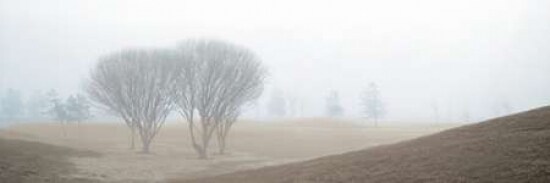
{"x":78,"y":108}
{"x":372,"y":103}
{"x":37,"y":106}
{"x":12,"y":105}
{"x":57,"y":110}
{"x":277,"y":104}
{"x":333,"y":106}
{"x":135,"y":85}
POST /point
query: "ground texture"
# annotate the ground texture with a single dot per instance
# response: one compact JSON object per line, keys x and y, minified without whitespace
{"x":23,"y":161}
{"x":514,"y":148}
{"x":53,"y":153}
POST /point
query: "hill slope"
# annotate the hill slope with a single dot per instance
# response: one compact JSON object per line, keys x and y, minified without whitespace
{"x":508,"y":149}
{"x":25,"y":161}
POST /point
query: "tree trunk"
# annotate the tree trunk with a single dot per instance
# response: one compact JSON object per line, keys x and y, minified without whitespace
{"x":200,"y":151}
{"x":145,"y":147}
{"x":146,"y":140}
{"x":222,"y":139}
{"x":222,"y":146}
{"x":219,"y":138}
{"x":203,"y":154}
{"x":133,"y":144}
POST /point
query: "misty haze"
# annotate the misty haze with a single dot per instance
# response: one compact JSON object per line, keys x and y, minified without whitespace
{"x":274,"y":91}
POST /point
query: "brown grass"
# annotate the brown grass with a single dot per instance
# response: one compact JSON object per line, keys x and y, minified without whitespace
{"x":509,"y":149}
{"x":251,"y":145}
{"x":23,"y":161}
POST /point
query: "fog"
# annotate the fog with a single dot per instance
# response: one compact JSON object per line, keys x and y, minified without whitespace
{"x":459,"y":55}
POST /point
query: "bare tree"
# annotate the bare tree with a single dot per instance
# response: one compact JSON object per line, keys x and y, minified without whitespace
{"x":277,"y":105}
{"x":57,"y":110}
{"x":78,"y":108}
{"x":216,"y":80}
{"x":242,"y":84}
{"x":136,"y":85}
{"x":333,"y":106}
{"x":373,"y":106}
{"x":225,"y":122}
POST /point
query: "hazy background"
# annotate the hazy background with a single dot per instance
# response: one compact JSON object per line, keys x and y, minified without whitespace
{"x":464,"y":56}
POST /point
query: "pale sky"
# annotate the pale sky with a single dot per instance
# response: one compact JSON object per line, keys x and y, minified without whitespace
{"x":466,"y":55}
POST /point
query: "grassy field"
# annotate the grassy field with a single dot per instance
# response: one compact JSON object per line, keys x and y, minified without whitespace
{"x":251,"y":145}
{"x":514,"y":148}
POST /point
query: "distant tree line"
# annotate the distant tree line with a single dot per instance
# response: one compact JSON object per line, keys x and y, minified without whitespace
{"x":282,"y":104}
{"x":372,"y":105}
{"x":43,"y":107}
{"x":74,"y":109}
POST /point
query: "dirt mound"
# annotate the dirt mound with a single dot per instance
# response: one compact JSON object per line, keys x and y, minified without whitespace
{"x":24,"y":161}
{"x":514,"y":148}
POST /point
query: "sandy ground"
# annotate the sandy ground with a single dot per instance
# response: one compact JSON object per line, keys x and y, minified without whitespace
{"x":251,"y":145}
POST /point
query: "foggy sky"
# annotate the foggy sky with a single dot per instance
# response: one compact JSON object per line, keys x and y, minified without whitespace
{"x":461,"y":55}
